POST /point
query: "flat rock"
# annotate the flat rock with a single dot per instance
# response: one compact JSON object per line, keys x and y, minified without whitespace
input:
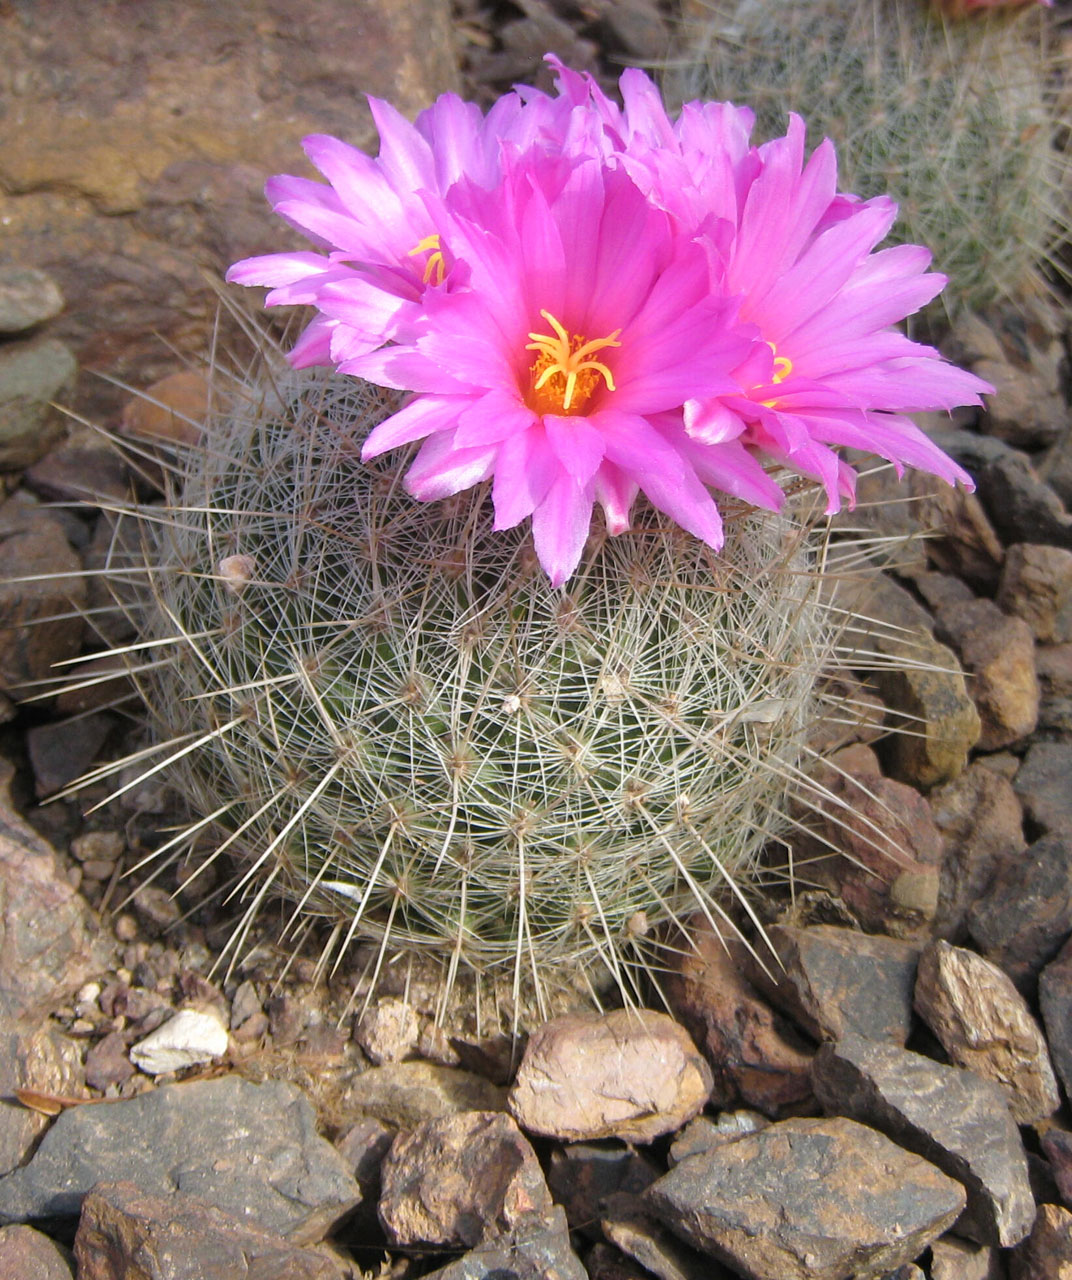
{"x":125,"y":1231}
{"x":630,"y":1074}
{"x":1025,"y":915}
{"x":189,"y":1039}
{"x":700,"y":1134}
{"x":26,"y":1254}
{"x":459,"y":1180}
{"x":998,"y":654}
{"x":28,"y":297}
{"x":756,"y":1056}
{"x":984,"y":1025}
{"x":948,"y":1116}
{"x":981,"y":822}
{"x":250,"y":1150}
{"x":33,"y":374}
{"x":43,"y":1061}
{"x":835,"y":982}
{"x":538,"y":1248}
{"x":1036,"y":585}
{"x":1055,"y":1001}
{"x":1044,"y":785}
{"x":1047,"y":1254}
{"x":790,"y":1202}
{"x":632,"y":1227}
{"x":404,"y":1094}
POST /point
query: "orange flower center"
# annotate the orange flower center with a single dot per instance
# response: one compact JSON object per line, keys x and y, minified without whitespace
{"x":435,"y":267}
{"x":564,"y":377}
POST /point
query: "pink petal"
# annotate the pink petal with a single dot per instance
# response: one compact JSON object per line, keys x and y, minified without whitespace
{"x":560,"y":527}
{"x":440,"y":470}
{"x":422,"y":416}
{"x":525,"y":469}
{"x":274,"y":269}
{"x":576,"y":444}
{"x":615,"y":493}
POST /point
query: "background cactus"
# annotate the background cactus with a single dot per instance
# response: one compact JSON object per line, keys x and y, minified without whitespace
{"x":958,"y":120}
{"x":384,"y":710}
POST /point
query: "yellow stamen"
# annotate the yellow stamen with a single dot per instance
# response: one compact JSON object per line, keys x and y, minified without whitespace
{"x":436,"y":266}
{"x":563,"y":375}
{"x":783,"y":367}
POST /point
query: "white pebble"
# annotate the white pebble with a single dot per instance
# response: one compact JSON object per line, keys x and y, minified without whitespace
{"x":186,"y":1040}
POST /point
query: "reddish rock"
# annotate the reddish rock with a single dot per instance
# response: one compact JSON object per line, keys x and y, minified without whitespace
{"x":172,"y":410}
{"x":981,"y":822}
{"x":389,"y":1031}
{"x":1057,"y":1147}
{"x":41,"y":1060}
{"x":460,"y":1180}
{"x":984,"y":1025}
{"x":108,"y":1063}
{"x":83,"y":467}
{"x":1047,"y":1253}
{"x":630,"y":1074}
{"x":998,"y":654}
{"x":26,"y":1254}
{"x":755,"y":1056}
{"x":956,"y":1259}
{"x":1036,"y":585}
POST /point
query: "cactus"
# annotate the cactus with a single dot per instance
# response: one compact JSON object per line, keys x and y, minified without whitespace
{"x":955,"y":119}
{"x":389,"y":716}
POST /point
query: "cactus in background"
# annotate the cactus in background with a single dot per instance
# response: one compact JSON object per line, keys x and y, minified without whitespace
{"x":955,"y":119}
{"x":390,"y":717}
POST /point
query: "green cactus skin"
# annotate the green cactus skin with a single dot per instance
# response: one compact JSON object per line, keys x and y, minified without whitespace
{"x":382,"y":709}
{"x":957,"y":120}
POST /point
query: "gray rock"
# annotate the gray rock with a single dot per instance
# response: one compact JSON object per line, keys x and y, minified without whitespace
{"x":632,"y":1074}
{"x":1036,"y":585}
{"x":127,"y":1232}
{"x":948,"y":1116}
{"x":1025,"y":915}
{"x":28,"y":297}
{"x":403,"y":1094}
{"x":1044,"y":785}
{"x":583,"y":1177}
{"x":836,"y":982}
{"x":792,"y":1202}
{"x":536,"y":1249}
{"x":1053,"y":663}
{"x":459,"y":1180}
{"x":634,"y":1229}
{"x":1023,"y":507}
{"x":62,"y":751}
{"x":249,"y":1150}
{"x":32,"y":373}
{"x":1055,"y":1001}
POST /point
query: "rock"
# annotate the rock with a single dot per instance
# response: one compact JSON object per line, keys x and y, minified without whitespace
{"x":583,"y":1177}
{"x":172,"y":410}
{"x":1042,"y":783}
{"x":835,"y":982}
{"x":948,"y":1116}
{"x":955,"y":1259}
{"x":43,"y":1061}
{"x":40,"y":606}
{"x":1036,"y":585}
{"x":1020,"y":412}
{"x":364,"y":1146}
{"x":629,"y":1074}
{"x":82,"y":468}
{"x":998,"y":655}
{"x":981,"y":821}
{"x":404,"y":1094}
{"x":634,"y":1229}
{"x":49,"y":940}
{"x":1053,"y":666}
{"x":985,"y":1026}
{"x":538,"y":1248}
{"x":26,"y":1254}
{"x":1022,"y":507}
{"x":1055,"y":1002}
{"x":127,"y":1232}
{"x":250,"y":1150}
{"x":460,"y":1180}
{"x":28,"y":297}
{"x":190,"y":1038}
{"x":788,"y":1203}
{"x":1057,"y":1148}
{"x":755,"y":1056}
{"x":887,"y":871}
{"x":604,"y":1262}
{"x":1026,"y":914}
{"x":919,"y":680}
{"x":33,"y":374}
{"x":963,"y":542}
{"x":1047,"y":1254}
{"x":389,"y":1031}
{"x":108,"y":1063}
{"x":700,"y":1134}
{"x":62,"y":751}
{"x":159,"y":173}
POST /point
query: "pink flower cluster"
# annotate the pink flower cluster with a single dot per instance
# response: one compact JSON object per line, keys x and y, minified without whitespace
{"x":589,"y":301}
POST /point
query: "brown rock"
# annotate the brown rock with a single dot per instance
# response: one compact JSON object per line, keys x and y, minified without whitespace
{"x":628,"y":1223}
{"x":39,"y":606}
{"x":583,"y":1177}
{"x":26,"y":1254}
{"x":460,"y":1180}
{"x":27,"y":298}
{"x":389,"y":1031}
{"x":956,"y":1259}
{"x":537,"y":1248}
{"x":1057,"y":1147}
{"x":888,"y":870}
{"x":755,"y":1056}
{"x":1022,"y":506}
{"x":629,"y":1074}
{"x":126,"y":1232}
{"x":963,"y":542}
{"x":180,"y":117}
{"x":41,"y":1060}
{"x":62,"y":750}
{"x":1055,"y":1002}
{"x":108,"y":1063}
{"x":998,"y":654}
{"x":1036,"y":585}
{"x":1053,"y":666}
{"x":702,"y":1133}
{"x":835,"y":982}
{"x":788,"y":1203}
{"x":83,"y":467}
{"x":981,"y":822}
{"x":404,"y":1094}
{"x":1044,"y":785}
{"x":984,"y":1025}
{"x":1047,"y":1253}
{"x":172,"y":409}
{"x":1020,"y":411}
